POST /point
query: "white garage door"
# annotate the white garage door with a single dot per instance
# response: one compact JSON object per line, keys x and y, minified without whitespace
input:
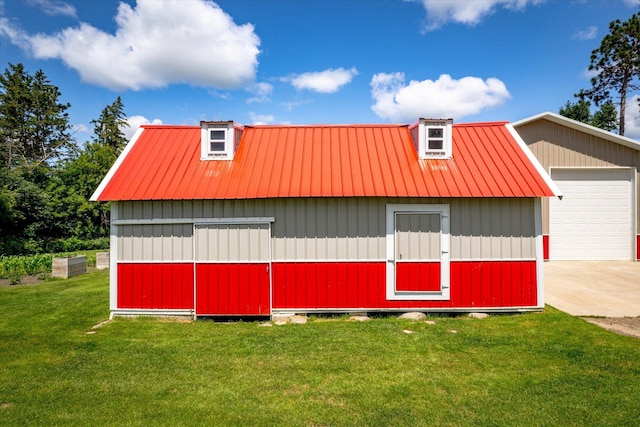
{"x":593,"y":221}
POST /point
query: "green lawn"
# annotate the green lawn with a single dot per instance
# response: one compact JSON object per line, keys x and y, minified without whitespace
{"x":530,"y":369}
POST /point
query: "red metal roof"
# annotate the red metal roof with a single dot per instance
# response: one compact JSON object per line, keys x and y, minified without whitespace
{"x":163,"y":163}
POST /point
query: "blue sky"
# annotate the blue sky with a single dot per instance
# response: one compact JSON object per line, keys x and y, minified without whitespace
{"x":329,"y":61}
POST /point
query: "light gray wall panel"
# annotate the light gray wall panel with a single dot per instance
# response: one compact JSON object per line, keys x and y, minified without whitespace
{"x":232,"y":242}
{"x":157,"y":242}
{"x":354,"y":228}
{"x":417,"y":236}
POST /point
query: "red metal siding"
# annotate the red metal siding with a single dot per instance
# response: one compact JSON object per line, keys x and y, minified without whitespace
{"x":346,"y":285}
{"x":155,"y":286}
{"x":545,"y":247}
{"x":417,"y":277}
{"x":232,"y":289}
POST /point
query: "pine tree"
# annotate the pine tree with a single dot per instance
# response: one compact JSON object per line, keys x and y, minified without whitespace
{"x":34,"y":125}
{"x":605,"y":118}
{"x":108,"y":128}
{"x":617,"y":63}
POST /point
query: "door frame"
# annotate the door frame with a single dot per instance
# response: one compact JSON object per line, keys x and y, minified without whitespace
{"x":443,"y":211}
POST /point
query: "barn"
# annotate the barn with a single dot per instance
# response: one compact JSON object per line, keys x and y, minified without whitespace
{"x":597,"y":173}
{"x":229,"y":220}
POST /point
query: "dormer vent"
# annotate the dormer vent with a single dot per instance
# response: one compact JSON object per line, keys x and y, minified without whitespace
{"x":219,"y":140}
{"x":434,"y":138}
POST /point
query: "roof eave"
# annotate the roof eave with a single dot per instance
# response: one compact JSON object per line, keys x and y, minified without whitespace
{"x":534,"y":161}
{"x":95,"y":197}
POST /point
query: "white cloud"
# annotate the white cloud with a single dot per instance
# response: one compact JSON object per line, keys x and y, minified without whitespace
{"x":156,"y":43}
{"x":586,"y":34}
{"x":632,"y":118}
{"x":289,"y":106}
{"x":262,"y":92}
{"x":135,"y":122}
{"x":471,"y":12}
{"x":14,"y":33}
{"x":327,"y":81}
{"x":54,"y":7}
{"x":442,"y":98}
{"x":261,"y":119}
{"x":632,"y":3}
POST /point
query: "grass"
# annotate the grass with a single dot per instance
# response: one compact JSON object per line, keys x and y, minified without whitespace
{"x":530,"y":369}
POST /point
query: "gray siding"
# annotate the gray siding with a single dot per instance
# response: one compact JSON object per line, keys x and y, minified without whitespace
{"x":317,"y":229}
{"x":155,"y":242}
{"x":232,"y":242}
{"x":417,"y":236}
{"x":556,"y":145}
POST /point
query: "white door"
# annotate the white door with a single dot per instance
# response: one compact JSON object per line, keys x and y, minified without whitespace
{"x":594,"y":219}
{"x":418,"y":252}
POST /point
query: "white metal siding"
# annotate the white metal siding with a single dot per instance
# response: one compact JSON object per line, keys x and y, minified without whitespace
{"x":594,"y":219}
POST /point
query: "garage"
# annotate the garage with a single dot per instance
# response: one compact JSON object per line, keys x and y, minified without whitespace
{"x":598,"y":173}
{"x":593,"y":220}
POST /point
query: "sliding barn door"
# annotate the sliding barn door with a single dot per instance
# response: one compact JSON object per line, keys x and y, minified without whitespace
{"x":232,"y":276}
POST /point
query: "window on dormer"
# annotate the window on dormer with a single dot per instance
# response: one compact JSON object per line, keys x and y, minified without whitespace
{"x":217,"y":140}
{"x":435,"y":139}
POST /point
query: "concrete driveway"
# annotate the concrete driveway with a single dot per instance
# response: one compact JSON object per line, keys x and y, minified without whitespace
{"x":593,"y":288}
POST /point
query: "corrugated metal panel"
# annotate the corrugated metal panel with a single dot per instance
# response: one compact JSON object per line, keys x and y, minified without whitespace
{"x":474,"y":284}
{"x":232,"y":289}
{"x":155,"y":242}
{"x":418,"y":277}
{"x":417,"y":237}
{"x":155,"y":286}
{"x":354,"y":228}
{"x":324,"y":161}
{"x":232,"y":242}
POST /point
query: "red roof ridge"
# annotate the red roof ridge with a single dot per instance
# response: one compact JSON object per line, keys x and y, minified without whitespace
{"x":339,"y":125}
{"x":162,"y":126}
{"x":482,"y":124}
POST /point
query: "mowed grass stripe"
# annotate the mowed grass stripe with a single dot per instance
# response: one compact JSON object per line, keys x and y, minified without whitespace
{"x":528,"y":369}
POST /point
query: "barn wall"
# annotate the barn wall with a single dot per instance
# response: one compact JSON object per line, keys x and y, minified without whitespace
{"x":325,"y":254}
{"x":557,"y":145}
{"x":323,"y":229}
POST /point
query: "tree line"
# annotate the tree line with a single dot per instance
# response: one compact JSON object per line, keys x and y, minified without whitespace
{"x":46,"y":179}
{"x":616,"y":64}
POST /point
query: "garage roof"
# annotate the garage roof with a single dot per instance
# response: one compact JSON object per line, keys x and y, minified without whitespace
{"x":163,"y":163}
{"x":579,"y":126}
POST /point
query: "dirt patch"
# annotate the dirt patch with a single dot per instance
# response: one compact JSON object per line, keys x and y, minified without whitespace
{"x":26,"y":280}
{"x":629,"y":326}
